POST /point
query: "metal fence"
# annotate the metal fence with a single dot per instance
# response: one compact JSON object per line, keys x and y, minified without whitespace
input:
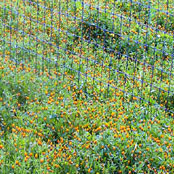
{"x":121,"y":49}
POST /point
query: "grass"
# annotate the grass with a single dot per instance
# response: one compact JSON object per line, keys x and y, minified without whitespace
{"x":78,"y":94}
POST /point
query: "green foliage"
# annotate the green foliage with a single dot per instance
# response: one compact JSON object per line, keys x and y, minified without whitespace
{"x":69,"y":103}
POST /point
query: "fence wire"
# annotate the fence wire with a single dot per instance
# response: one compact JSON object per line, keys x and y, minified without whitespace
{"x":120,"y":48}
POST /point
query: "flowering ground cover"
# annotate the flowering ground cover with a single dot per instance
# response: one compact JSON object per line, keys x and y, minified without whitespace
{"x":86,"y":86}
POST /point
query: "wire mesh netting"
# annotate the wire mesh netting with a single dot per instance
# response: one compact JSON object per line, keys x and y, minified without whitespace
{"x":111,"y":48}
{"x":115,"y":52}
